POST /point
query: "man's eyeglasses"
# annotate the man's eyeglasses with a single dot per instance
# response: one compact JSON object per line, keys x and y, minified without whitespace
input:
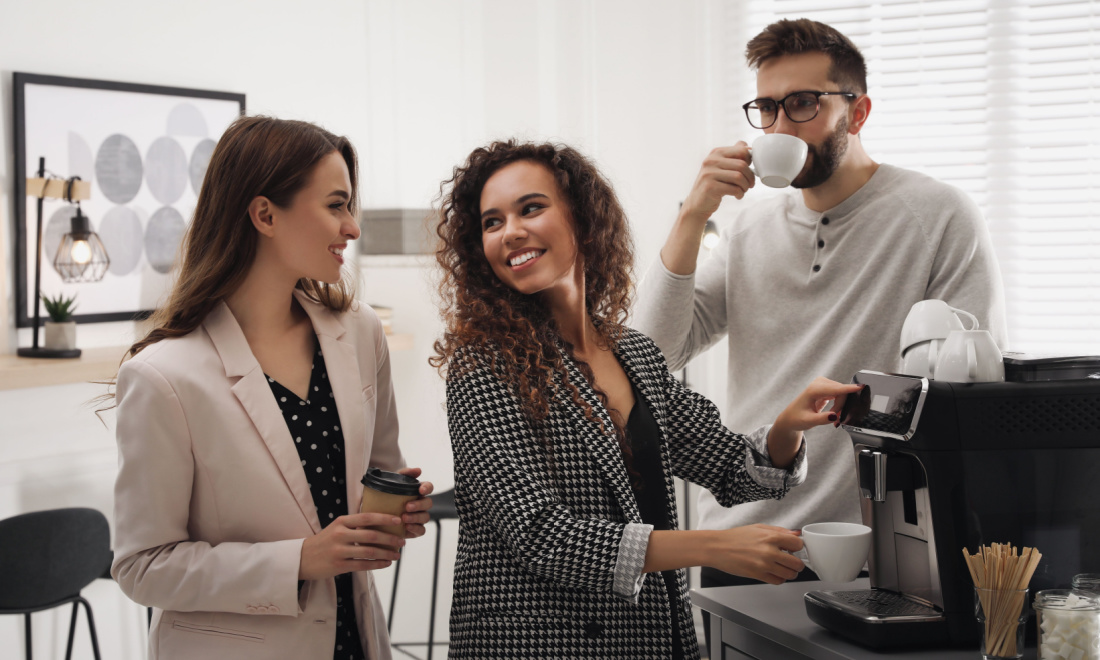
{"x":799,"y":106}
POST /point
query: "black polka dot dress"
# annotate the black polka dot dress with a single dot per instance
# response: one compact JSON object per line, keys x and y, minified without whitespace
{"x":315,"y":426}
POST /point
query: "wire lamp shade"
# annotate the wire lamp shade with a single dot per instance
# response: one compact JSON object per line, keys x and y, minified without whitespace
{"x":81,"y":256}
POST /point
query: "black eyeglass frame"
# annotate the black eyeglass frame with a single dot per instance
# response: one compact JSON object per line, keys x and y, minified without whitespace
{"x":782,"y":103}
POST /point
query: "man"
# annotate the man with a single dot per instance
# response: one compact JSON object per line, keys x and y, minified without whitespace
{"x":817,"y":281}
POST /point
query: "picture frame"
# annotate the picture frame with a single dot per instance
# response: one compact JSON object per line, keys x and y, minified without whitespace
{"x":145,"y":149}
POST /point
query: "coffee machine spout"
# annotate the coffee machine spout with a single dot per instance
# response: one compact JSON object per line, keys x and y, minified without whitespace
{"x":872,"y":475}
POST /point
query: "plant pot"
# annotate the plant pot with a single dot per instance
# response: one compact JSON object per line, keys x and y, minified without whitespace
{"x":61,"y":336}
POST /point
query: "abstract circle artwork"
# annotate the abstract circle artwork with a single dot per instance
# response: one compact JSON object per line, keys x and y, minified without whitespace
{"x":118,"y":169}
{"x":186,"y":120}
{"x":200,"y":160}
{"x":166,"y":170}
{"x":162,"y":238}
{"x":122,"y":237}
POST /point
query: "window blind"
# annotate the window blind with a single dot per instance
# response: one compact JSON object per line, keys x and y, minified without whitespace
{"x":998,"y":97}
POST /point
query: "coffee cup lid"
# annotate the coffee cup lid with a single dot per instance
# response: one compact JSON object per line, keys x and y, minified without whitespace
{"x":390,"y":482}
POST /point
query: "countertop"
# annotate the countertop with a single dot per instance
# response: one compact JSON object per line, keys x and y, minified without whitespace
{"x":772,"y":622}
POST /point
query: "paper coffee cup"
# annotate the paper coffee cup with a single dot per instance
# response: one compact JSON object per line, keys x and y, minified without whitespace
{"x":388,"y":492}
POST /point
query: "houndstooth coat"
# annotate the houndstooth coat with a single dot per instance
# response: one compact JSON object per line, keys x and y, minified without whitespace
{"x":540,"y":530}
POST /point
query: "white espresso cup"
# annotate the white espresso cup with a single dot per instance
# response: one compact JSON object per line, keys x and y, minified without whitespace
{"x":920,"y":358}
{"x":836,"y":551}
{"x":970,"y":356}
{"x":777,"y":158}
{"x":932,"y":319}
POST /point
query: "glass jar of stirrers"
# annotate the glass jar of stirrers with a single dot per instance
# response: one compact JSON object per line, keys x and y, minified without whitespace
{"x":1001,"y":574}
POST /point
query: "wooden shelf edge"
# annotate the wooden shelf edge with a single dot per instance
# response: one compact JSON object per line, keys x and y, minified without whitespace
{"x":94,"y":364}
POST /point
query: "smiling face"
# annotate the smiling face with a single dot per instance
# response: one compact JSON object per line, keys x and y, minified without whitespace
{"x":826,"y":134}
{"x":311,"y":234}
{"x":527,"y":230}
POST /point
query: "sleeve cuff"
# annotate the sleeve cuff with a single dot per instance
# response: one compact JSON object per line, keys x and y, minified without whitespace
{"x":631,"y":561}
{"x":758,"y":462}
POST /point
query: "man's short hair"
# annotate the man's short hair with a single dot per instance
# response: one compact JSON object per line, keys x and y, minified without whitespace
{"x":794,"y":37}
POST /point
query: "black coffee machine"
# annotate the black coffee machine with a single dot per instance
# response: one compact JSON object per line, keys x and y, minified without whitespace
{"x":945,"y":466}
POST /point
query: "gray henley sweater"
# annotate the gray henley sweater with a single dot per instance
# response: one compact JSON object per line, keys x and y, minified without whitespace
{"x":800,"y":294}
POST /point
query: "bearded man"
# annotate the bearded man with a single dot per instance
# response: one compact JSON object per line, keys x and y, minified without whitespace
{"x":817,"y":280}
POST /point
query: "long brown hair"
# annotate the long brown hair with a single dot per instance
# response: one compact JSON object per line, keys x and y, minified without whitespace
{"x":487,"y":320}
{"x":256,"y":156}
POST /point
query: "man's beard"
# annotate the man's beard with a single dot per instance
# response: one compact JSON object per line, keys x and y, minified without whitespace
{"x":824,"y":159}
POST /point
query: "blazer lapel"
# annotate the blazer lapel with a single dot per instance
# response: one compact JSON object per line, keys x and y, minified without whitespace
{"x":646,"y":377}
{"x":602,"y":447}
{"x":254,"y":394}
{"x":342,"y":363}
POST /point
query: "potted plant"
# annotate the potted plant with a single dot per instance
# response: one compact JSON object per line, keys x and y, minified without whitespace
{"x":61,"y":328}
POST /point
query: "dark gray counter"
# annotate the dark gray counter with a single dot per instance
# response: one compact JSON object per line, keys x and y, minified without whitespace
{"x":766,"y":622}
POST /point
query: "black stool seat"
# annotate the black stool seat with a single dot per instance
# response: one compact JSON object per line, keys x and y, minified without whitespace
{"x":443,"y":508}
{"x":46,"y":558}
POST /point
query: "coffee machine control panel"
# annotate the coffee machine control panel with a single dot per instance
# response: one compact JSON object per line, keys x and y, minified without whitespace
{"x":888,"y":406}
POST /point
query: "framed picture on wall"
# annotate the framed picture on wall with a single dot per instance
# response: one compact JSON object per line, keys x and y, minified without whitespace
{"x":145,"y":149}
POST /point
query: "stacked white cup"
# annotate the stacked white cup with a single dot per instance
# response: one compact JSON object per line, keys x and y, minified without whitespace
{"x":924,"y":332}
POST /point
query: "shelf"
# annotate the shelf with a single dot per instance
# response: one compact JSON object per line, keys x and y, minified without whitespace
{"x":93,"y":364}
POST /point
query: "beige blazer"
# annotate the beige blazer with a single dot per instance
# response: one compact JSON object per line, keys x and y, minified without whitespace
{"x":212,"y":504}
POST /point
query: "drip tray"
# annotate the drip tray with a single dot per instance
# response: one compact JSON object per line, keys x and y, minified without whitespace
{"x":876,"y":605}
{"x":878,"y":619}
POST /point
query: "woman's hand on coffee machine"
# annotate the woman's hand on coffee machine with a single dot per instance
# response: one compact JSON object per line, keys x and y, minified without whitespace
{"x":805,"y":412}
{"x":416,"y":511}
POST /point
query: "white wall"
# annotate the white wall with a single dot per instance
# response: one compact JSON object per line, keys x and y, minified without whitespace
{"x":416,"y":85}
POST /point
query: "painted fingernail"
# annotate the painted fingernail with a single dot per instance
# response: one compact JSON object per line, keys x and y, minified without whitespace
{"x":832,"y":417}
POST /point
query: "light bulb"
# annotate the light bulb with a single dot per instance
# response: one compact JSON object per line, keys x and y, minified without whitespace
{"x":81,"y":252}
{"x":710,"y":240}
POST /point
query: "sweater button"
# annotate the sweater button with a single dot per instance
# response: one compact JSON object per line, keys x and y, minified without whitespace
{"x":821,"y":244}
{"x":817,"y":268}
{"x":593,"y":630}
{"x":824,"y":221}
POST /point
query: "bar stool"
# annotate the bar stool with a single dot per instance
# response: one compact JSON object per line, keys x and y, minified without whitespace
{"x":443,"y":508}
{"x":46,"y":559}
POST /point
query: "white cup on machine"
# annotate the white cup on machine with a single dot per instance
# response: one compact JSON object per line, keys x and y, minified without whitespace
{"x":970,"y":356}
{"x":777,"y":158}
{"x":924,"y":332}
{"x":836,"y":551}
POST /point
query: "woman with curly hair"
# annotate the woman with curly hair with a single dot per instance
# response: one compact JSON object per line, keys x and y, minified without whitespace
{"x":568,"y":428}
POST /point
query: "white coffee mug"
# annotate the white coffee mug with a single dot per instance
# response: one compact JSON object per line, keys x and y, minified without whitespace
{"x":836,"y":551}
{"x":970,"y":356}
{"x":932,"y":319}
{"x":777,"y":158}
{"x":920,"y":358}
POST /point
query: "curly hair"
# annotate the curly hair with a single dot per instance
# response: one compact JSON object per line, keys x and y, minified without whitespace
{"x":512,"y":333}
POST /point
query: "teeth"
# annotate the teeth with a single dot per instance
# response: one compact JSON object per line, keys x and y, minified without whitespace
{"x":337,"y":251}
{"x":523,"y":258}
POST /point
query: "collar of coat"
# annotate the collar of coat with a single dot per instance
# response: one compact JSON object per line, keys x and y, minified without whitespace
{"x":648,"y":373}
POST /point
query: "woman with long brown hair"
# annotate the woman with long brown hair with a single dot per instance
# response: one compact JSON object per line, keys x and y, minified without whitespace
{"x":248,"y":415}
{"x":568,"y":428}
